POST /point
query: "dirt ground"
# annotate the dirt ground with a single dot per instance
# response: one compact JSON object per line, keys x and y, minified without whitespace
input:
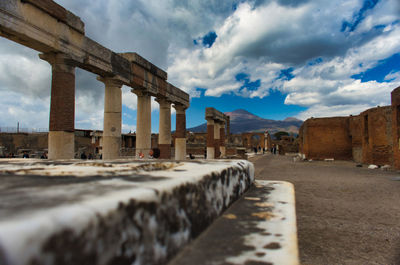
{"x":345,"y":214}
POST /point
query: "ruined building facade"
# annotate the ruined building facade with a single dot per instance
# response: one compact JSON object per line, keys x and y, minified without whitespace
{"x":372,"y":137}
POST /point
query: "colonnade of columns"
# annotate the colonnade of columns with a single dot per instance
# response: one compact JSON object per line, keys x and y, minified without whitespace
{"x":62,"y":116}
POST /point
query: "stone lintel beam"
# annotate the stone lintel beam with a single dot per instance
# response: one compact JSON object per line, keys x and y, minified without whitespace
{"x":177,"y":96}
{"x":58,"y":12}
{"x":148,"y":77}
{"x":135,"y":58}
{"x":212,"y":113}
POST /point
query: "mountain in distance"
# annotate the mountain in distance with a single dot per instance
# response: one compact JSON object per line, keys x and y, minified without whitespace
{"x":244,"y":121}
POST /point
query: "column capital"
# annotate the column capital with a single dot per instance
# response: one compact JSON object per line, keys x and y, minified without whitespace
{"x":180,"y":109}
{"x":140,"y":92}
{"x":110,"y":81}
{"x":59,"y":61}
{"x":163,"y":101}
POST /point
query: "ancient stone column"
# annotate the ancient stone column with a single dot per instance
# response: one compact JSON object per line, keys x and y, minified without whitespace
{"x":164,"y":137}
{"x":180,"y":132}
{"x":210,"y":139}
{"x":61,"y":143}
{"x":222,"y":139}
{"x":143,"y":123}
{"x":217,"y":139}
{"x":112,"y":118}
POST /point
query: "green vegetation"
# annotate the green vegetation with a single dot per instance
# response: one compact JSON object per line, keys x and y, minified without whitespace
{"x":278,"y":135}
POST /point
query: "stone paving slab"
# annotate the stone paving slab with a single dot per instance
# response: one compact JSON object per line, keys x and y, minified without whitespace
{"x":260,"y":228}
{"x":122,"y":212}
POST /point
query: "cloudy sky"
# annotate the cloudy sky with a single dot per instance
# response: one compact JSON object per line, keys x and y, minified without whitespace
{"x":275,"y":58}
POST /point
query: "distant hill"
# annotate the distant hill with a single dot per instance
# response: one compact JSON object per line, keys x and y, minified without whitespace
{"x":244,"y":121}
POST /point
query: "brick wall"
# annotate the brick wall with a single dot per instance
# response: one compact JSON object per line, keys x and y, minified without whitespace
{"x":377,"y":142}
{"x":326,"y":138}
{"x":355,"y":127}
{"x":396,"y":127}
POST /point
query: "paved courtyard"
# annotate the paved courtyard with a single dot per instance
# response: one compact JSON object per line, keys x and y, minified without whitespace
{"x":345,"y":214}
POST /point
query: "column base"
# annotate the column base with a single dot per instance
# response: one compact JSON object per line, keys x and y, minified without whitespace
{"x":61,"y":145}
{"x":142,"y":153}
{"x":111,"y":147}
{"x":223,"y":151}
{"x":217,"y":152}
{"x":180,"y":148}
{"x":210,"y":153}
{"x":165,"y":151}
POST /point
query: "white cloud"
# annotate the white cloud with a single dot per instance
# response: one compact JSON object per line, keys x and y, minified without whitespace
{"x":256,"y":37}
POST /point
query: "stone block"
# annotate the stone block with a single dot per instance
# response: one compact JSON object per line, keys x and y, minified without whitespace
{"x":123,"y":212}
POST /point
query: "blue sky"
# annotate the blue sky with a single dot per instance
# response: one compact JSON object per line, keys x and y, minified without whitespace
{"x":274,"y":58}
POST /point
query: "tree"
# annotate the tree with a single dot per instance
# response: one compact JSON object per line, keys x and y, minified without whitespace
{"x":278,"y":135}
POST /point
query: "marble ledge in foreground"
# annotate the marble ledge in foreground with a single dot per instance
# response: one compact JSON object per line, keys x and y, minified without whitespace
{"x":120,"y":212}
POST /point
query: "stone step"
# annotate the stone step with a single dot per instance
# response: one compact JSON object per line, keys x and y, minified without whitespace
{"x":120,"y":212}
{"x":260,"y":228}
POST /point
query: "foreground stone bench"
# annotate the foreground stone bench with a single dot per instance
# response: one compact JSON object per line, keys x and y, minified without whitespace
{"x":122,"y":212}
{"x":260,"y":228}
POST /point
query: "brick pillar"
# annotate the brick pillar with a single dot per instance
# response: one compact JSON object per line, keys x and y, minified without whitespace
{"x":217,"y":139}
{"x":180,"y":132}
{"x":222,"y":139}
{"x":143,"y":124}
{"x":210,"y":140}
{"x":228,"y":126}
{"x":164,"y":137}
{"x":61,"y":140}
{"x":112,"y":118}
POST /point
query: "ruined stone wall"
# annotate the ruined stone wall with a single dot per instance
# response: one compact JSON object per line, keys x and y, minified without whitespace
{"x":251,"y":140}
{"x":377,"y":142}
{"x":287,"y":144}
{"x":326,"y":138}
{"x":36,"y":143}
{"x":302,"y":144}
{"x":396,"y":127}
{"x":19,"y":141}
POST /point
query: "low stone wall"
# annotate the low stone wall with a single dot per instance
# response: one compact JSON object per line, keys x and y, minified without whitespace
{"x":110,"y":213}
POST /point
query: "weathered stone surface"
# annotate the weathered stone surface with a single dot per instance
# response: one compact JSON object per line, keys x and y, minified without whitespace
{"x":59,"y":12}
{"x":110,"y":213}
{"x":260,"y":228}
{"x":213,"y":114}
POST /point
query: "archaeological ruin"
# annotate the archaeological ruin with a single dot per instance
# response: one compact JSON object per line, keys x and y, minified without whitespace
{"x":216,"y":122}
{"x":60,"y":37}
{"x":123,"y":211}
{"x":372,"y":137}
